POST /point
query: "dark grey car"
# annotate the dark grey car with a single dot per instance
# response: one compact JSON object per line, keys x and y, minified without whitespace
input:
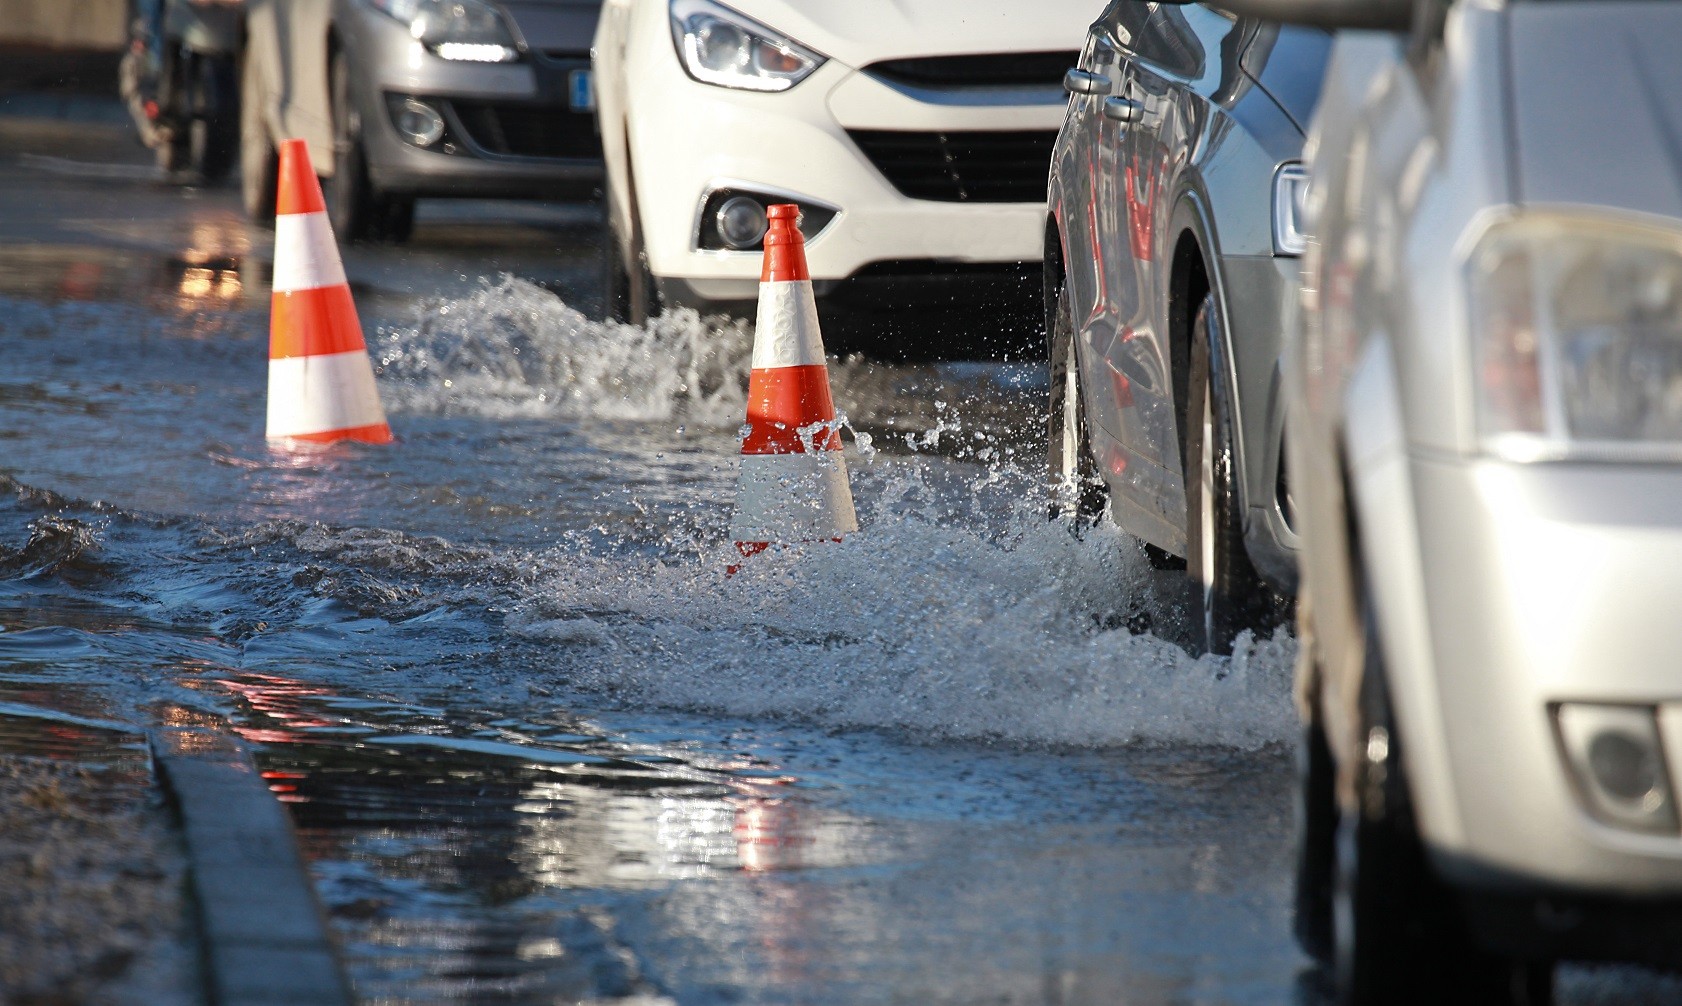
{"x":1171,"y":248}
{"x":402,"y":99}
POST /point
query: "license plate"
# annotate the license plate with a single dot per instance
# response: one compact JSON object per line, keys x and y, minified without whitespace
{"x":581,"y":92}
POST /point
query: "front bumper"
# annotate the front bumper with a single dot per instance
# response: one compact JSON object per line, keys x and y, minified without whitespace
{"x":688,"y":139}
{"x":511,"y":126}
{"x":1545,"y":584}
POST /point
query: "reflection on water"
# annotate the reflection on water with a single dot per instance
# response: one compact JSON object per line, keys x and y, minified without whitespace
{"x":480,"y":864}
{"x":192,"y":280}
{"x":404,"y":633}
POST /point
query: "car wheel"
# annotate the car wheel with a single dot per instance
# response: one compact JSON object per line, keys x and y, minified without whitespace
{"x":349,"y":195}
{"x":1397,"y":935}
{"x":397,"y":219}
{"x":259,"y":164}
{"x":213,"y":135}
{"x":174,"y":153}
{"x":1316,"y":821}
{"x":1227,"y":595}
{"x":629,"y":292}
{"x":1078,"y":492}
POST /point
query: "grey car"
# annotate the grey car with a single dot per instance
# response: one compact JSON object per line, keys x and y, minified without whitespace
{"x":1170,"y":257}
{"x":401,"y":99}
{"x":1486,"y":429}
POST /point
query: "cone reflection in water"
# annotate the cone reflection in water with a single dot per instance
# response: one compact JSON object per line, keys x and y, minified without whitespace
{"x":793,"y":486}
{"x":321,"y":383}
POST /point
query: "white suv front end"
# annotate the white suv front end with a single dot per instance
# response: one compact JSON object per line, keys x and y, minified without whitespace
{"x":915,"y":137}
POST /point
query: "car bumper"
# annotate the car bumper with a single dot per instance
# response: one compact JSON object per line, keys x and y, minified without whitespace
{"x":689,"y":139}
{"x":511,"y":129}
{"x":1547,"y":584}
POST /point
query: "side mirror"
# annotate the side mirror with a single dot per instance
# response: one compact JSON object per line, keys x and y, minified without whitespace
{"x":1380,"y":15}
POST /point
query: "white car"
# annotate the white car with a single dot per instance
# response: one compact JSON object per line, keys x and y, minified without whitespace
{"x":915,"y":135}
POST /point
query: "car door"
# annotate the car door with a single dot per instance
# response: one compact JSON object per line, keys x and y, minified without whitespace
{"x":1181,"y":57}
{"x":1093,"y":255}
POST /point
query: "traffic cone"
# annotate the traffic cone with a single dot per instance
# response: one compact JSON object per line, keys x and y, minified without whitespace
{"x":321,"y":383}
{"x":793,"y":485}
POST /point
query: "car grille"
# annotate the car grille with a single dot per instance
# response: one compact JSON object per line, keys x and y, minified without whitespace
{"x":978,"y":167}
{"x":524,"y":130}
{"x":1013,"y":69}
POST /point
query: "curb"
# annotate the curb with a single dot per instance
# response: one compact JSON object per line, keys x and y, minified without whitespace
{"x":265,"y":937}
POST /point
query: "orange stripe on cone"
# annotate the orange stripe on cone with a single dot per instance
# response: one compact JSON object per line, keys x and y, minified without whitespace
{"x":321,"y":383}
{"x":793,"y":485}
{"x":299,"y":190}
{"x":313,"y":322}
{"x":784,"y":400}
{"x":785,"y":246}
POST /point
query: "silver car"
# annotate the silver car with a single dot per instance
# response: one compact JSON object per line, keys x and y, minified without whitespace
{"x":1170,"y":254}
{"x":402,"y":99}
{"x":1486,"y":437}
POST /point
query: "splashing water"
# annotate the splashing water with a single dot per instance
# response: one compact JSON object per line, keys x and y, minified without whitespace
{"x":1017,"y":633}
{"x":514,"y":349}
{"x":959,"y":611}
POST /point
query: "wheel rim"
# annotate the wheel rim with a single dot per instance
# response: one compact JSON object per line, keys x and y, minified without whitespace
{"x":1068,"y":475}
{"x":1206,"y":514}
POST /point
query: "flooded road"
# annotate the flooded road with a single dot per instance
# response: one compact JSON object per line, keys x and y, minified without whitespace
{"x":538,"y":746}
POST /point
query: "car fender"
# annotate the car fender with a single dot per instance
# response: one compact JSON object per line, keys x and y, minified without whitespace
{"x":1191,"y":217}
{"x":608,"y":54}
{"x":1380,"y":495}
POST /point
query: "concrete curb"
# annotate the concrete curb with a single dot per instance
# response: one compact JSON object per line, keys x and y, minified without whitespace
{"x":265,"y":938}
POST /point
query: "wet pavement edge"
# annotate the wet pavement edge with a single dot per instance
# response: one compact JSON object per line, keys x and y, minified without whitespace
{"x":264,"y":934}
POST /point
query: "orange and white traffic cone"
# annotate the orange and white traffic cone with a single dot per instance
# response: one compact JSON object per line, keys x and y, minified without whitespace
{"x":793,"y":486}
{"x":321,"y":383}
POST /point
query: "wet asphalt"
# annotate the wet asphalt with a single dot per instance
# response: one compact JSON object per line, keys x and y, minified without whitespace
{"x":535,"y":746}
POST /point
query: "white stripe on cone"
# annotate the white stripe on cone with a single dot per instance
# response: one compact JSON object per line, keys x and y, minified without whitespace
{"x":793,"y":497}
{"x":320,"y":394}
{"x":305,"y":254}
{"x":789,"y":313}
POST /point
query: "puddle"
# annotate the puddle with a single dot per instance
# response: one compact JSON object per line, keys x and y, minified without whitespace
{"x":185,"y":281}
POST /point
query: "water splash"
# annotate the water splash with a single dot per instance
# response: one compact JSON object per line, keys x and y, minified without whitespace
{"x":1019,"y":632}
{"x":513,"y":349}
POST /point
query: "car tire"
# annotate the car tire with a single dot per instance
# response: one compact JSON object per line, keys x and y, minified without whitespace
{"x":1078,"y":492}
{"x":259,"y":163}
{"x":357,"y":211}
{"x":174,"y":153}
{"x":628,"y":292}
{"x":213,"y":135}
{"x":1227,"y":594}
{"x":396,"y":223}
{"x":1397,"y":936}
{"x":1316,"y":833}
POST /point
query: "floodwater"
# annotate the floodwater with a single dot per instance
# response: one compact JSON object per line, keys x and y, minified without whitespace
{"x":540,"y":748}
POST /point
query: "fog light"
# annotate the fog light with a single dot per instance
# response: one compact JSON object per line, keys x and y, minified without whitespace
{"x":1627,"y":768}
{"x":741,"y":222}
{"x":1618,"y":761}
{"x":419,"y":123}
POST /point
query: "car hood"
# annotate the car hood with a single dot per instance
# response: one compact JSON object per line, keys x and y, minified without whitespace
{"x":555,"y":26}
{"x":861,"y":32}
{"x":1597,"y":105}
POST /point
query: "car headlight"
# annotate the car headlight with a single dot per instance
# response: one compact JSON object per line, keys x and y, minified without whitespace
{"x":1577,"y":339}
{"x":1290,"y":192}
{"x":467,"y":30}
{"x":719,"y":46}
